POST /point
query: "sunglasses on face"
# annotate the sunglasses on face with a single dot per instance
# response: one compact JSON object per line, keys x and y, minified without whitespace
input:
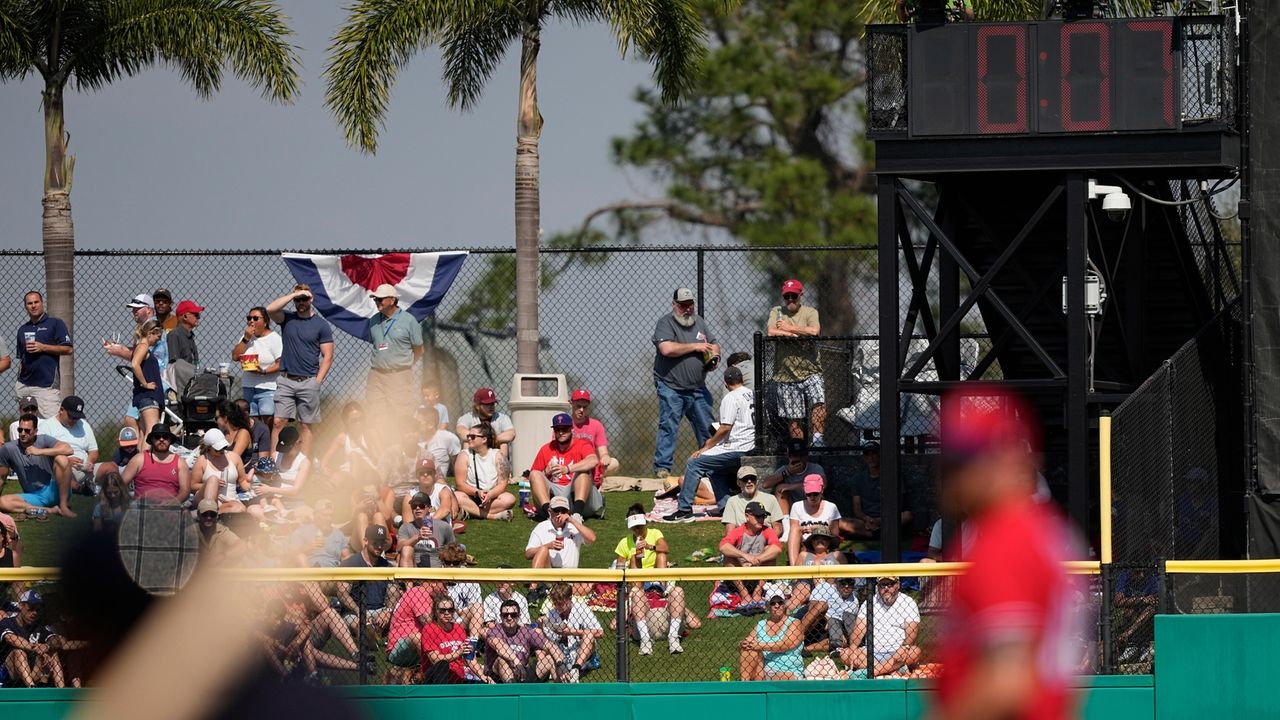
{"x":252,"y":318}
{"x":563,"y":429}
{"x":887,"y":583}
{"x":443,"y":609}
{"x":209,"y":516}
{"x":511,"y":614}
{"x":25,"y":431}
{"x":559,"y":511}
{"x":813,"y":495}
{"x":775,"y":602}
{"x":473,"y":436}
{"x":790,"y":296}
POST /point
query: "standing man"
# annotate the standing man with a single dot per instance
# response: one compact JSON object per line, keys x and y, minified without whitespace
{"x":396,"y":338}
{"x":182,"y":339}
{"x":720,"y":455}
{"x":686,"y":351}
{"x":307,"y":342}
{"x":162,"y":299}
{"x":797,"y":376}
{"x":42,"y":341}
{"x":590,"y":429}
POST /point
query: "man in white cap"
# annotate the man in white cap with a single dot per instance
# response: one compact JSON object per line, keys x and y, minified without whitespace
{"x":396,"y":338}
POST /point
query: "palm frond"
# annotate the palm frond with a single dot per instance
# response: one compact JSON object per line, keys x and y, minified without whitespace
{"x":473,"y":52}
{"x":669,"y":33}
{"x":198,"y":37}
{"x":16,"y":46}
{"x":377,"y":39}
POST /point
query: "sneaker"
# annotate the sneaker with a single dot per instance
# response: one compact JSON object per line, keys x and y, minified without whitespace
{"x":674,"y":644}
{"x":679,"y":516}
{"x":662,"y":474}
{"x":715,"y":513}
{"x":504,"y":515}
{"x":817,"y":441}
{"x":571,"y":676}
{"x":646,"y":646}
{"x":35,"y":513}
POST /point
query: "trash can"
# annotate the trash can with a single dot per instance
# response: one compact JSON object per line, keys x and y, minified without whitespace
{"x":531,"y":415}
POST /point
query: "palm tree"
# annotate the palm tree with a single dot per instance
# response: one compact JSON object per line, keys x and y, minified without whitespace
{"x":380,"y":36}
{"x":92,"y":43}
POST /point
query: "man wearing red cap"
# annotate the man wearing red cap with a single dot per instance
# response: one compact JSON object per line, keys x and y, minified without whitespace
{"x":1008,"y":649}
{"x":797,"y":376}
{"x":564,"y":468}
{"x":182,"y":339}
{"x":484,"y":408}
{"x":590,"y":429}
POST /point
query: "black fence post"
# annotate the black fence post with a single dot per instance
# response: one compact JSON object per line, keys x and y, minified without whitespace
{"x":871,"y":627}
{"x":757,"y":360}
{"x":1104,"y":619}
{"x":1162,"y":587}
{"x":621,"y":667}
{"x":361,"y":643}
{"x":702,"y":306}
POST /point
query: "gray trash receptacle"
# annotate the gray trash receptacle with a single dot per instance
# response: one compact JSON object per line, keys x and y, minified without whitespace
{"x":531,"y":415}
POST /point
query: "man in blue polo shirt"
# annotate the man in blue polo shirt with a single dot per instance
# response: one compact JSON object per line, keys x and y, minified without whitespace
{"x":41,"y":342}
{"x":304,"y":363}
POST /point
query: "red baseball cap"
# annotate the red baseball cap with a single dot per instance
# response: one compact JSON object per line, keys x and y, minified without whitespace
{"x":982,"y":418}
{"x":792,"y":286}
{"x":580,"y":394}
{"x":188,"y":306}
{"x":485,"y":396}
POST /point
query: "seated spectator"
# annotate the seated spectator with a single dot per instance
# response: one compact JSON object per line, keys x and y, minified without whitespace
{"x":292,"y":471}
{"x":112,"y":503}
{"x":467,"y":601}
{"x":842,"y":613}
{"x":865,"y":522}
{"x":70,"y":427}
{"x":482,"y":475}
{"x":398,"y":468}
{"x":158,"y":473}
{"x":317,"y":540}
{"x":29,"y":404}
{"x":897,"y":621}
{"x":323,"y":623}
{"x":283,"y":637}
{"x":503,"y":591}
{"x":423,"y":535}
{"x":447,"y":654}
{"x":787,"y":482}
{"x":484,"y":408}
{"x":590,"y":429}
{"x":645,"y":547}
{"x":404,"y":636}
{"x":751,"y":544}
{"x":556,"y":541}
{"x":517,"y":653}
{"x":28,"y":652}
{"x":442,"y":500}
{"x":348,"y":455}
{"x":234,"y":423}
{"x":565,"y":468}
{"x":813,"y":513}
{"x":14,"y":539}
{"x":720,"y":456}
{"x":126,"y":448}
{"x":772,"y":650}
{"x":44,"y":473}
{"x":219,"y":476}
{"x":437,"y":442}
{"x":8,"y":559}
{"x":258,"y":352}
{"x":218,"y":544}
{"x":741,"y":360}
{"x":574,"y":627}
{"x":259,"y":431}
{"x":380,"y":596}
{"x":748,"y":492}
{"x":810,"y":598}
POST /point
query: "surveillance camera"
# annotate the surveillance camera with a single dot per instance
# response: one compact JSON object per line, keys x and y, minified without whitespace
{"x":1116,"y":205}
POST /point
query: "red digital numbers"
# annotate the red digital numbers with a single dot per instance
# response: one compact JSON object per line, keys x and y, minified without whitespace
{"x":1002,"y":79}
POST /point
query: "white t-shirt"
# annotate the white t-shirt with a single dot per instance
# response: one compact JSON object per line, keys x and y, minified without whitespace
{"x":493,"y":605}
{"x":544,"y":532}
{"x":443,"y":447}
{"x":891,"y":621}
{"x":265,"y":351}
{"x":43,"y":427}
{"x":580,"y":618}
{"x":826,"y":513}
{"x":736,"y":409}
{"x":79,"y":436}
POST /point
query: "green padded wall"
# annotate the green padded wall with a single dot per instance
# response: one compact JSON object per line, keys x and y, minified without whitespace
{"x":1220,"y":666}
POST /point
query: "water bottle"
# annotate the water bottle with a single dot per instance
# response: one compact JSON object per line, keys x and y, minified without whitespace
{"x":725,"y":673}
{"x":524,"y":491}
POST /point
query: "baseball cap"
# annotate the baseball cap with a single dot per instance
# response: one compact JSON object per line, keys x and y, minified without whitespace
{"x":792,"y":286}
{"x":141,"y":300}
{"x":797,"y":447}
{"x":207,"y":505}
{"x":484,"y":396}
{"x":188,"y":306}
{"x":426,"y":466}
{"x":683,"y":295}
{"x":27,"y":402}
{"x":128,"y":437}
{"x":980,"y":419}
{"x":162,"y":293}
{"x":870,"y":446}
{"x":813,"y":482}
{"x":30,"y":597}
{"x":376,"y":535}
{"x":422,"y":499}
{"x":756,"y":509}
{"x":384,"y":290}
{"x":288,"y":438}
{"x":580,"y":394}
{"x":889,"y":577}
{"x":733,"y":376}
{"x":559,"y":502}
{"x":636,"y":520}
{"x":74,"y":407}
{"x":746,"y":471}
{"x":561,"y":420}
{"x":215,"y":439}
{"x":265,"y":466}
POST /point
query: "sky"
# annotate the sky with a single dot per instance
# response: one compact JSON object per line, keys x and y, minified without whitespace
{"x":157,"y":167}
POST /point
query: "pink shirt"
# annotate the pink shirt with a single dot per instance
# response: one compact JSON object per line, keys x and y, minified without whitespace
{"x":415,"y":603}
{"x":593,"y":432}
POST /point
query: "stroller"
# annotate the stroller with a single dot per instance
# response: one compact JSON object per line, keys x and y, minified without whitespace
{"x":190,"y":410}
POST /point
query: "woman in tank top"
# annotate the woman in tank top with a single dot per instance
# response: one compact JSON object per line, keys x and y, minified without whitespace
{"x":771,"y":651}
{"x":818,"y":592}
{"x":482,"y":476}
{"x":148,"y":388}
{"x":156,"y":473}
{"x":219,"y":475}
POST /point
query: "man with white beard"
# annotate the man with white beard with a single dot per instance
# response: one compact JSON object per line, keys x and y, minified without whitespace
{"x":686,"y":352}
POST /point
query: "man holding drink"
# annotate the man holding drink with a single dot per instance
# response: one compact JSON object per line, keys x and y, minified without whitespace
{"x":42,"y":341}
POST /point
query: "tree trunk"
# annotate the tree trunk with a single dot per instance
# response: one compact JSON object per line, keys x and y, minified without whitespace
{"x":528,"y":128}
{"x":58,"y":230}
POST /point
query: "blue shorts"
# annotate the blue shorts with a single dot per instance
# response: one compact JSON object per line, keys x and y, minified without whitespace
{"x":45,"y":497}
{"x":144,"y":401}
{"x":262,"y":402}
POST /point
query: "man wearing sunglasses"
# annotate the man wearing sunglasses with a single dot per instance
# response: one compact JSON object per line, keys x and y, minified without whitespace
{"x":218,"y":544}
{"x":517,"y":652}
{"x":557,"y":541}
{"x":43,"y":468}
{"x":897,"y":622}
{"x":797,"y":375}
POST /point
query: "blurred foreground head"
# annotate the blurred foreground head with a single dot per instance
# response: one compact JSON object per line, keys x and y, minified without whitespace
{"x":990,"y":448}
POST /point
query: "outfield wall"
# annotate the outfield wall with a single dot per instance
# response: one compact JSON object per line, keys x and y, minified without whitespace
{"x":1206,"y":666}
